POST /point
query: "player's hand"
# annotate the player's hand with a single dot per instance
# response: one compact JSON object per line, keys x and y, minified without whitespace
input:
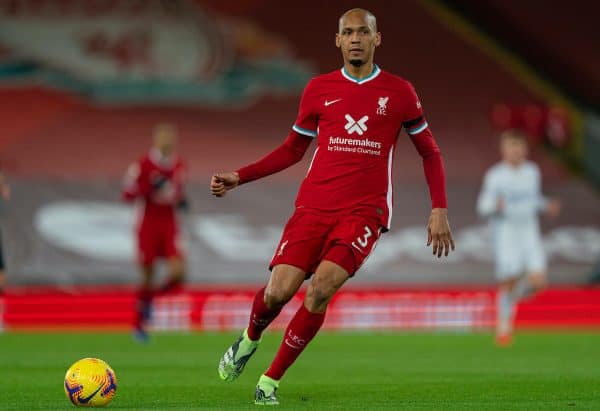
{"x":159,"y":182}
{"x":221,"y":183}
{"x":438,"y":232}
{"x":553,"y":208}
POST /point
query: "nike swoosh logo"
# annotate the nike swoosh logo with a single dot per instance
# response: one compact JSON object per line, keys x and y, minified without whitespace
{"x":85,"y":400}
{"x":328,"y":103}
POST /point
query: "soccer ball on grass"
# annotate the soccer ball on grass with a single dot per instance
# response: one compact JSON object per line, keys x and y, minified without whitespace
{"x":90,"y":382}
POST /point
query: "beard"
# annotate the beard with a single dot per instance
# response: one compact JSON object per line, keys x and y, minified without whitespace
{"x":357,"y":62}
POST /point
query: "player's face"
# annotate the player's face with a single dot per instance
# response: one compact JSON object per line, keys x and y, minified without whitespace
{"x":514,"y":150}
{"x":165,"y":140}
{"x":357,"y":39}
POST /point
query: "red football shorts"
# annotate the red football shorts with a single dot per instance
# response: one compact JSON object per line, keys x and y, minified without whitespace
{"x":311,"y":236}
{"x":158,"y":240}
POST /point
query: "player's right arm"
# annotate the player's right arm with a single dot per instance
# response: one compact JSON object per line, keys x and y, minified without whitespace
{"x":287,"y":154}
{"x":135,"y":182}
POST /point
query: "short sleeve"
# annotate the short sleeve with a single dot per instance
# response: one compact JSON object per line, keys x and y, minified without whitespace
{"x":414,"y":121}
{"x":306,"y":122}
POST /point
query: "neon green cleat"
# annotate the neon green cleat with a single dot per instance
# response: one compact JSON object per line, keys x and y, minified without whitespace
{"x":265,"y":391}
{"x":235,"y":358}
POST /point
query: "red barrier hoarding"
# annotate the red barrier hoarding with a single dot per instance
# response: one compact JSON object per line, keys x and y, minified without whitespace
{"x":227,"y":308}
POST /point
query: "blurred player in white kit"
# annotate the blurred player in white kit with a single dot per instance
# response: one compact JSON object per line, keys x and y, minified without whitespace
{"x":511,"y":200}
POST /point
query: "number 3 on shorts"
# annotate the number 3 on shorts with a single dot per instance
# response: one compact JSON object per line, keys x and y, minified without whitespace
{"x":363,"y":240}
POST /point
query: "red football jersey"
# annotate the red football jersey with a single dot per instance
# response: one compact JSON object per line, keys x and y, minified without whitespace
{"x":159,"y":182}
{"x":356,"y":123}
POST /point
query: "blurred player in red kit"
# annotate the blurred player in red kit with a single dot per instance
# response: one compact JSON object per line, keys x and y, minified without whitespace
{"x":355,"y":114}
{"x":157,"y":182}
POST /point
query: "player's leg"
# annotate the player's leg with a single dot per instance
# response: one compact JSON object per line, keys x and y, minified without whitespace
{"x":537,"y":280}
{"x":328,"y":278}
{"x":349,"y":243}
{"x":305,"y":324}
{"x":526,"y":256}
{"x":143,"y":309}
{"x":283,"y":284}
{"x":505,"y":310}
{"x":147,"y":252}
{"x":175,"y":276}
{"x":510,"y":268}
{"x":175,"y":259}
{"x":535,"y":266}
{"x":528,"y":285}
{"x":298,"y":252}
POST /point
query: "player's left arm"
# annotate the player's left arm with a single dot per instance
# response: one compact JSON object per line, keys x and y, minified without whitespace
{"x":439,"y":234}
{"x":136,"y":182}
{"x":129,"y":185}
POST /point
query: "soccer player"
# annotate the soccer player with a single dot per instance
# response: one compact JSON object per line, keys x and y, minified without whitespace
{"x":157,"y":181}
{"x":511,"y":199}
{"x":355,"y":114}
{"x":5,"y":195}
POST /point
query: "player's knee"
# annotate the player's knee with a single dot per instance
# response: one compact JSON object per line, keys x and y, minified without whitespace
{"x":177,"y":269}
{"x":318,"y":296}
{"x":538,"y":282}
{"x":277,"y":296}
{"x":508,"y":285}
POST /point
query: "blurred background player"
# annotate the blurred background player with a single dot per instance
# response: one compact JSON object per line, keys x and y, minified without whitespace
{"x":511,"y":199}
{"x":345,"y":200}
{"x":157,"y":181}
{"x":4,"y":195}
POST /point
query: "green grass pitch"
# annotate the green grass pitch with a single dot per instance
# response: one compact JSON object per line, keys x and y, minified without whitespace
{"x":338,"y":371}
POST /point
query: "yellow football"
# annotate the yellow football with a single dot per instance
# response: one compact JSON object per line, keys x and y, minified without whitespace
{"x":90,"y":382}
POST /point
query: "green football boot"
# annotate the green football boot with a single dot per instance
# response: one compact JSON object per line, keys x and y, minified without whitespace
{"x":235,"y":358}
{"x":265,"y":391}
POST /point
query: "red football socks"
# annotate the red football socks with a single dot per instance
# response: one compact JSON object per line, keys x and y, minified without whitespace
{"x":261,"y":316}
{"x":300,"y":331}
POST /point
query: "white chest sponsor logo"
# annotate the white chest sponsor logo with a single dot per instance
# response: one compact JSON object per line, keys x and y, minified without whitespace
{"x":356,"y":126}
{"x":328,"y":103}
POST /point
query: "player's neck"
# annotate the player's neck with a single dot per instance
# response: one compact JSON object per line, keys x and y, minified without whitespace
{"x":360,"y":72}
{"x":514,"y":164}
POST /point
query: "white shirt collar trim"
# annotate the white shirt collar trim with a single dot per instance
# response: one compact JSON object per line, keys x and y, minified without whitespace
{"x":374,"y":74}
